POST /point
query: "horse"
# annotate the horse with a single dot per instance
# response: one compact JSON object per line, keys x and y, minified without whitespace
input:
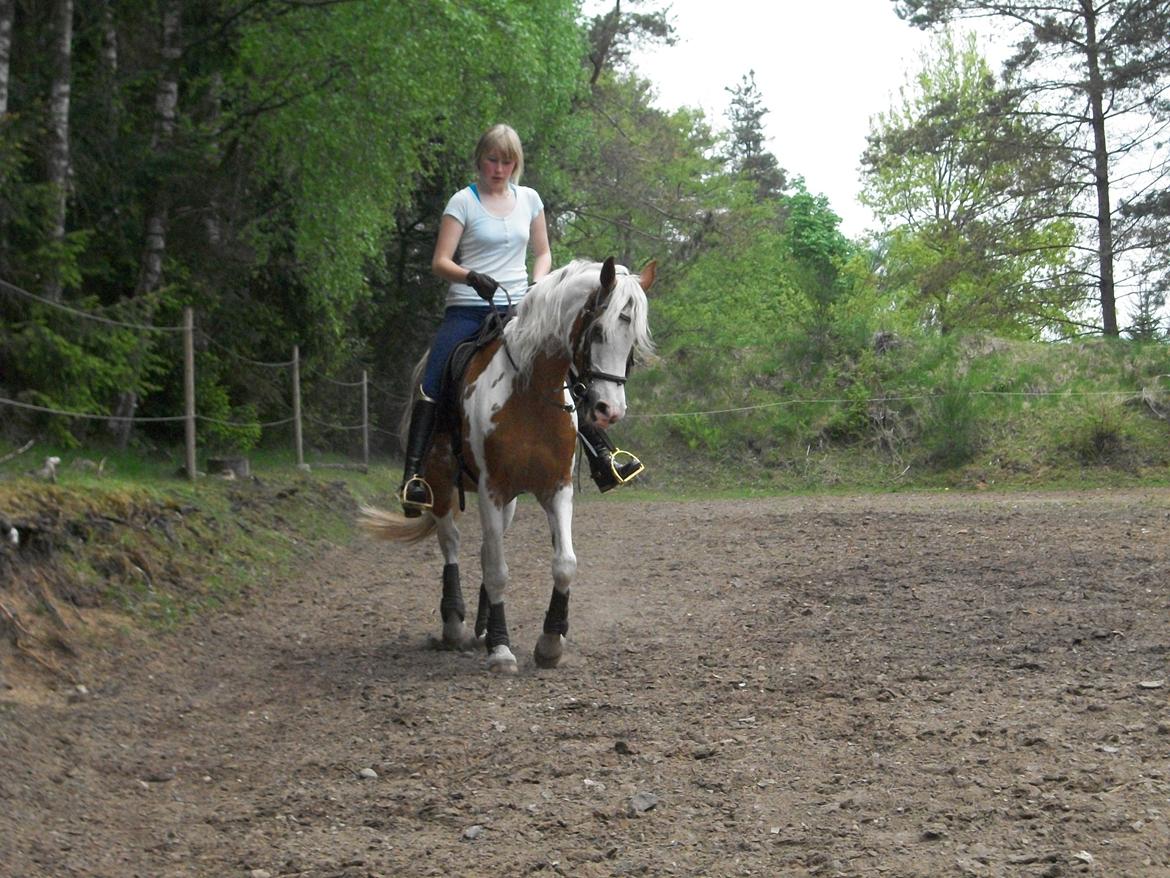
{"x":566,"y":354}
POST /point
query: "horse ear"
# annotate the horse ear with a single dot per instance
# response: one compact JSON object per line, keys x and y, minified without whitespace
{"x":649,"y":274}
{"x":608,"y":275}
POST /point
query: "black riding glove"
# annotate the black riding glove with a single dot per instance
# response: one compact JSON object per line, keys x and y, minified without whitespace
{"x":482,"y":284}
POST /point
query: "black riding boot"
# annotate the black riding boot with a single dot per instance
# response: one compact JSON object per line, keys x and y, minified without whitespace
{"x":415,"y":493}
{"x":608,"y":465}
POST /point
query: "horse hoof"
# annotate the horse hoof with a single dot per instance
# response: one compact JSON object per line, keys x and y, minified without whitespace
{"x":501,"y":661}
{"x":458,"y":638}
{"x":548,"y":654}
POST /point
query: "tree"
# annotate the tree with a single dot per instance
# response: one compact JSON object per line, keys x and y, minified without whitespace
{"x":964,"y":184}
{"x":7,"y":12}
{"x":643,"y":186}
{"x":58,"y":149}
{"x":614,"y":35}
{"x":745,"y":145}
{"x":1101,"y":72}
{"x":166,"y":111}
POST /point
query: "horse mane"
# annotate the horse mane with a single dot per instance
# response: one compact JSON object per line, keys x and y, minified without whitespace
{"x":546,"y":316}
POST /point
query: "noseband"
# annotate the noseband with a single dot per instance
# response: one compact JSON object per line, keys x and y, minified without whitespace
{"x":582,"y":379}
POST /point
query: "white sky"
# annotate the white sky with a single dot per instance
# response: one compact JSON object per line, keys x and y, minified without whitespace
{"x":823,"y":67}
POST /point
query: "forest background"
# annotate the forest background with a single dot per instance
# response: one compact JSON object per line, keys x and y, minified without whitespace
{"x":280,"y":166}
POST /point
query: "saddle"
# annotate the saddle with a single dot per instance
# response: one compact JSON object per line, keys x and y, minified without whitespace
{"x":456,"y":367}
{"x":448,"y":420}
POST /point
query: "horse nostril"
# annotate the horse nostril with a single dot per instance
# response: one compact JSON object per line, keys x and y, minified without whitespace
{"x":601,"y":409}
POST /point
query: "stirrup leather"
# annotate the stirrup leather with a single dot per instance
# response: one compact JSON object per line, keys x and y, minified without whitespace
{"x":613,"y":465}
{"x":417,"y":504}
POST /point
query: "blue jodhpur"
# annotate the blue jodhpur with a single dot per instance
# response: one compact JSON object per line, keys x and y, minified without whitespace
{"x":460,"y":322}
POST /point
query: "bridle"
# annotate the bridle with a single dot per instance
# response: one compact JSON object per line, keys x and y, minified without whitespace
{"x":581,"y":371}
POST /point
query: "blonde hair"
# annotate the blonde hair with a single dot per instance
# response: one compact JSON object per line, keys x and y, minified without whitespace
{"x":504,"y":140}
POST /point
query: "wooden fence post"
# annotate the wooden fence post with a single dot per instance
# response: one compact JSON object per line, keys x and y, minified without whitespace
{"x":189,"y":386}
{"x":296,"y":401}
{"x":365,"y":419}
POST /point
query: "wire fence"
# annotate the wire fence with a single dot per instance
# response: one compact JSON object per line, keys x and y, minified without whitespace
{"x":191,"y":416}
{"x":292,"y":369}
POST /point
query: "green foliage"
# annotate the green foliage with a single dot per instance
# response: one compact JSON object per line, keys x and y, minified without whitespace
{"x":27,"y":254}
{"x":1097,"y":74}
{"x":74,"y":365}
{"x":643,"y":185}
{"x":951,"y":428}
{"x":365,"y":111}
{"x":745,"y":142}
{"x":969,"y":243}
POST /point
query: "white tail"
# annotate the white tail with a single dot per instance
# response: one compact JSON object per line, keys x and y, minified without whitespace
{"x":395,"y":527}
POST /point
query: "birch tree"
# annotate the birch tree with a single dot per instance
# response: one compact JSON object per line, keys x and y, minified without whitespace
{"x":166,"y":109}
{"x":58,"y":148}
{"x":7,"y":11}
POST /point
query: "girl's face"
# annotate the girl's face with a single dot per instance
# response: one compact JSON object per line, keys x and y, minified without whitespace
{"x":495,"y":168}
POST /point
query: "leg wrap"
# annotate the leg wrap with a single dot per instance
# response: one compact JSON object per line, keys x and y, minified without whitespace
{"x":452,"y":603}
{"x":482,"y":612}
{"x":497,"y":629}
{"x":556,"y":620}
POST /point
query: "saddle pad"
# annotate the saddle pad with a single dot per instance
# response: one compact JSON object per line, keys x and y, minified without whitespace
{"x":457,"y":362}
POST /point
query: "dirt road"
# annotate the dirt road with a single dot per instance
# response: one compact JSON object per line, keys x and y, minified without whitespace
{"x":905,"y":685}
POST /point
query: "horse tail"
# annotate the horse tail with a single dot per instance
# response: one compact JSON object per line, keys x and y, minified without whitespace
{"x":415,"y":390}
{"x":395,"y":527}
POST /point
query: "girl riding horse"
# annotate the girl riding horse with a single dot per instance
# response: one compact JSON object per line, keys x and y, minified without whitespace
{"x":488,"y":226}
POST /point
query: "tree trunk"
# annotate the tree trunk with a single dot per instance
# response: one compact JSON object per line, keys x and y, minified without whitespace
{"x":58,"y":158}
{"x":213,"y":220}
{"x":166,"y":104}
{"x":1101,"y":173}
{"x":600,"y":53}
{"x":166,"y":107}
{"x":109,"y":64}
{"x":7,"y":11}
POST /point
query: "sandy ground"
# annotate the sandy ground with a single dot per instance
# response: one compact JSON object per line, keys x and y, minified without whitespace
{"x":906,"y":685}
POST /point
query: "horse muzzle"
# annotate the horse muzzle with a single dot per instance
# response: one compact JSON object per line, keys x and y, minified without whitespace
{"x":604,"y":413}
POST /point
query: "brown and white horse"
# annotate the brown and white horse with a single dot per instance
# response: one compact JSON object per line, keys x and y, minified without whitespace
{"x":565,"y":355}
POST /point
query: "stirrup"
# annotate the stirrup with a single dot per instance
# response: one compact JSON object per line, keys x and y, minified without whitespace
{"x":416,"y":505}
{"x":633,"y":474}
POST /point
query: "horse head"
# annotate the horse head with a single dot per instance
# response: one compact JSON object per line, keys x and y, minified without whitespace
{"x":612,"y":328}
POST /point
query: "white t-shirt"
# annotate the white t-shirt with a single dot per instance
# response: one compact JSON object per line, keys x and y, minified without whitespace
{"x":493,"y":245}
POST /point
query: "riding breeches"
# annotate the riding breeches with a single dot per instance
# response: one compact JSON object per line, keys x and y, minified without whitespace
{"x":459,"y":324}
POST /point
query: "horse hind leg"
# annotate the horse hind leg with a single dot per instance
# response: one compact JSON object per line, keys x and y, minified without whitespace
{"x":452,"y":610}
{"x":550,"y":646}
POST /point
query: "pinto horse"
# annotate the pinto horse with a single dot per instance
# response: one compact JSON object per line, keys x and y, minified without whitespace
{"x":565,"y":355}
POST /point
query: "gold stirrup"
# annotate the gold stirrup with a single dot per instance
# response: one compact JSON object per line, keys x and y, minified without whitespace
{"x":414,"y":504}
{"x":613,"y":463}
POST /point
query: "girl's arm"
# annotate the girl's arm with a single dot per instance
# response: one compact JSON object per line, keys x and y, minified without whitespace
{"x":443,"y":261}
{"x":541,"y":252}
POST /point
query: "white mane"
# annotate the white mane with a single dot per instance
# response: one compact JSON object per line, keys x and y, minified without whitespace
{"x":544,"y":321}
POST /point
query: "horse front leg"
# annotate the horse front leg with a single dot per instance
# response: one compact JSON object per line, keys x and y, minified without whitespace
{"x":550,"y":646}
{"x":452,"y":609}
{"x":495,"y":580}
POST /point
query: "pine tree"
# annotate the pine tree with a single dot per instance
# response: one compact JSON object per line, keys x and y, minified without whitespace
{"x":745,"y":150}
{"x":1102,"y":70}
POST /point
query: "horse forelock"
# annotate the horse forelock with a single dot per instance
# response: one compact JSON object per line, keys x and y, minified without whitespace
{"x":546,"y":317}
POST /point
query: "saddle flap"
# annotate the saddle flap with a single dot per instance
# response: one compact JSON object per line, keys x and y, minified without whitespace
{"x":456,"y":367}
